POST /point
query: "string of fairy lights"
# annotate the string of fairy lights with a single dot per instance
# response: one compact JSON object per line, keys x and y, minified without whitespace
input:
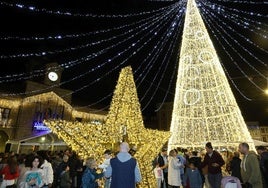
{"x":210,"y":19}
{"x":238,"y":19}
{"x":88,"y":72}
{"x":124,"y":61}
{"x":241,"y":34}
{"x":72,"y":14}
{"x":143,"y":26}
{"x":235,"y":10}
{"x":89,"y":57}
{"x":72,"y":63}
{"x":166,"y":59}
{"x":244,"y":48}
{"x":241,"y":70}
{"x":243,"y":2}
{"x":158,"y":48}
{"x":248,"y":20}
{"x":79,"y":35}
{"x":76,"y":62}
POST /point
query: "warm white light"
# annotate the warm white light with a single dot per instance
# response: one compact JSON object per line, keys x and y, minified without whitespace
{"x":204,"y":106}
{"x":266,"y":91}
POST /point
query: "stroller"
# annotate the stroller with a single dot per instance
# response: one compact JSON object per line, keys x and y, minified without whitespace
{"x":230,"y":182}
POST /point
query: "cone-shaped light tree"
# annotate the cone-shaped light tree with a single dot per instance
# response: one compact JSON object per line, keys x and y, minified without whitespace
{"x":204,"y":106}
{"x":124,"y":119}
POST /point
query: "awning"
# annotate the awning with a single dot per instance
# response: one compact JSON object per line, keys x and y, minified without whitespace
{"x":34,"y":135}
{"x":260,"y":143}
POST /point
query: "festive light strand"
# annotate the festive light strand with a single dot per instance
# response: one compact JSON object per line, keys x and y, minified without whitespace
{"x":81,"y":46}
{"x":160,"y":44}
{"x":165,"y":36}
{"x":233,"y":39}
{"x":211,"y":26}
{"x":155,"y":31}
{"x":158,"y":50}
{"x":169,"y":85}
{"x":231,"y":58}
{"x":245,"y":23}
{"x":68,"y":13}
{"x":212,"y":4}
{"x":171,"y":46}
{"x":125,"y":60}
{"x":72,"y":36}
{"x":246,"y":39}
{"x":77,"y":61}
{"x":239,"y":22}
{"x":239,"y":18}
{"x":152,"y":60}
{"x":169,"y":51}
{"x":244,"y":2}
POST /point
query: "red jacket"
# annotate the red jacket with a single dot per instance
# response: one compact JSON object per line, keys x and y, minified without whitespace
{"x":7,"y":175}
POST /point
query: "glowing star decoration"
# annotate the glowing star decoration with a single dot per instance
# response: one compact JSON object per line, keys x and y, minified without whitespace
{"x":124,"y":123}
{"x":204,"y":106}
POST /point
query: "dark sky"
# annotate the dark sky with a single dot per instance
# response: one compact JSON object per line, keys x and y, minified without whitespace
{"x":25,"y":23}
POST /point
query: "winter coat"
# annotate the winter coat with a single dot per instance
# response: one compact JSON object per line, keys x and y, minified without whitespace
{"x":89,"y":178}
{"x":194,"y":178}
{"x":235,"y":167}
{"x":250,"y":170}
{"x":174,"y":177}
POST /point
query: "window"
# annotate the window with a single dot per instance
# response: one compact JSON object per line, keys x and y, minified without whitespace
{"x":78,"y":119}
{"x":4,"y":115}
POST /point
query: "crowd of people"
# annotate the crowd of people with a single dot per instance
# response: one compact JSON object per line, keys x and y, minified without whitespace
{"x":178,"y":168}
{"x":43,"y":169}
{"x":181,"y":168}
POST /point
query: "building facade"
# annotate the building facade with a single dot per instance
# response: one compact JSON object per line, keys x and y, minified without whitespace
{"x":21,"y":119}
{"x":264,"y":133}
{"x":22,"y":115}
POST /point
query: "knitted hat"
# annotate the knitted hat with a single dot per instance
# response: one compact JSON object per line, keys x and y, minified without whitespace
{"x":209,"y":145}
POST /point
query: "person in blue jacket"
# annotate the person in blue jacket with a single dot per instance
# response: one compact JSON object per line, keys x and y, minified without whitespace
{"x":193,"y":176}
{"x":124,"y":169}
{"x":90,"y":176}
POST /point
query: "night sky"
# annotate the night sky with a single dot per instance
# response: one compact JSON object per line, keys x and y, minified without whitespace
{"x":25,"y":23}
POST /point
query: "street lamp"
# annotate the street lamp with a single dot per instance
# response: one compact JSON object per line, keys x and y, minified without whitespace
{"x":266,"y":90}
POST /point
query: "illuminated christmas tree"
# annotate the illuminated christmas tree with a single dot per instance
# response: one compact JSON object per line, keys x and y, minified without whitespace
{"x":204,"y":106}
{"x":124,"y":119}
